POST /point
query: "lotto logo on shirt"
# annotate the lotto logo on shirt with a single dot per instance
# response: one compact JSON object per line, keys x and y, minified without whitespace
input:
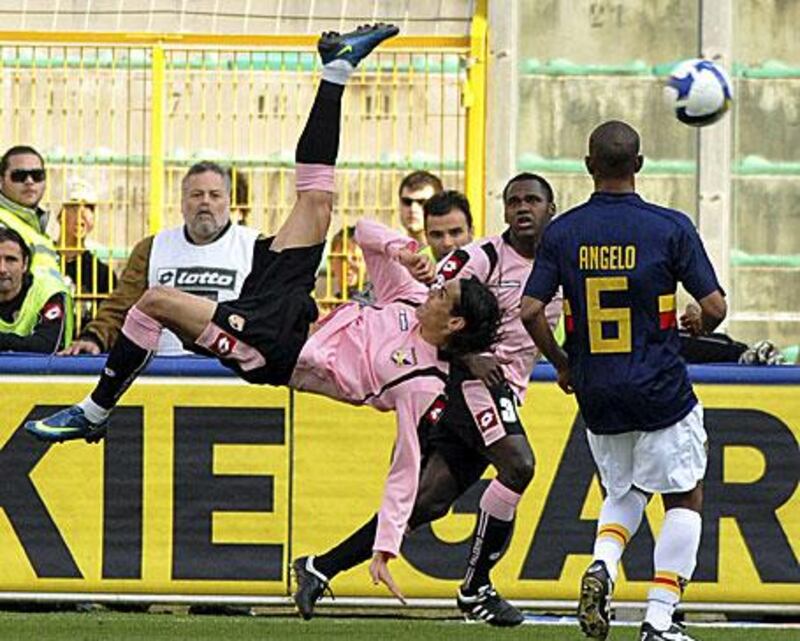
{"x":436,"y":410}
{"x":193,"y":278}
{"x":454,"y":264}
{"x":486,"y":419}
{"x":223,"y":344}
{"x":236,"y":322}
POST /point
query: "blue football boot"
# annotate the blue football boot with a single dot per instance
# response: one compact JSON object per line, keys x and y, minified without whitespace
{"x":355,"y":45}
{"x":67,"y":425}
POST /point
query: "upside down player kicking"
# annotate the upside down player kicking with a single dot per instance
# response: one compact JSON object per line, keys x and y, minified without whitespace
{"x":480,"y":424}
{"x":264,"y":335}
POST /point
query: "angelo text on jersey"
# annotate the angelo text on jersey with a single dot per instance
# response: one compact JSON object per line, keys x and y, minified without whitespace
{"x":607,"y":257}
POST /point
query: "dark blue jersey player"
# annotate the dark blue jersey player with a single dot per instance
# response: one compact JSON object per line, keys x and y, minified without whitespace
{"x":619,"y":260}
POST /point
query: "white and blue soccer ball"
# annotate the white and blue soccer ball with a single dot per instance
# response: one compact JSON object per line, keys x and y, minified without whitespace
{"x":700,"y":92}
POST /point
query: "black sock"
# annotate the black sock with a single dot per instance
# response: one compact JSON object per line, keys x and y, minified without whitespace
{"x":488,"y":544}
{"x":319,"y":142}
{"x":355,"y":549}
{"x":124,"y":363}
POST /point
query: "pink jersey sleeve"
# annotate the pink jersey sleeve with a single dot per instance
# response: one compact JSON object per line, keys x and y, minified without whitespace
{"x":400,"y":491}
{"x":381,"y":247}
{"x":464,"y":262}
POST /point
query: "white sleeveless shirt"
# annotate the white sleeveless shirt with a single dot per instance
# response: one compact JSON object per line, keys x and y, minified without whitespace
{"x":215,"y":271}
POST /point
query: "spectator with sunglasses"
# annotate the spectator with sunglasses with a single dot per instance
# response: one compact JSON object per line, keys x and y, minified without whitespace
{"x":415,"y":189}
{"x":22,"y":184}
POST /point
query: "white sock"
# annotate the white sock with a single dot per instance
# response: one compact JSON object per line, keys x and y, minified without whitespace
{"x":618,"y":522}
{"x":674,"y":558}
{"x":93,"y":411}
{"x":312,"y":568}
{"x":337,"y":71}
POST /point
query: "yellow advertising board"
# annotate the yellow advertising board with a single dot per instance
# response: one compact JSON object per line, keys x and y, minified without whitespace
{"x":211,"y":486}
{"x":189,"y":493}
{"x":750,"y":547}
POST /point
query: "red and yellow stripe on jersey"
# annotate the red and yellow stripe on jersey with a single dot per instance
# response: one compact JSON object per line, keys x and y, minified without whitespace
{"x":569,"y":320}
{"x":666,"y":312}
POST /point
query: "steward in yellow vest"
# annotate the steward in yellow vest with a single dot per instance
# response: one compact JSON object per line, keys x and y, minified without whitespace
{"x":35,"y":308}
{"x":43,"y":252}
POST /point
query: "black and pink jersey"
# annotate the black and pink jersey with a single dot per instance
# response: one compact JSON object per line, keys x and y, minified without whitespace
{"x":495,"y":262}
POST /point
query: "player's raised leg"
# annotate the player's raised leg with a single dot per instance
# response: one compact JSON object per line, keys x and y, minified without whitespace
{"x":318,"y":147}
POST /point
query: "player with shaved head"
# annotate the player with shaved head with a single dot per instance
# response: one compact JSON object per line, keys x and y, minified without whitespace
{"x":619,"y":260}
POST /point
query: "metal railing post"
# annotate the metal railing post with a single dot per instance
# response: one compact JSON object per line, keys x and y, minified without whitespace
{"x":155,"y":217}
{"x":474,"y":97}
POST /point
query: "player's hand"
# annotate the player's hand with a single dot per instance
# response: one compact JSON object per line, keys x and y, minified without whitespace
{"x":419,"y":266}
{"x":379,"y":571}
{"x":692,"y":319}
{"x":80,"y":346}
{"x":486,"y":367}
{"x":565,"y":380}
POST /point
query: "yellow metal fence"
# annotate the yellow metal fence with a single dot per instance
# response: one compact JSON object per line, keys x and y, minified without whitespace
{"x":128,"y":114}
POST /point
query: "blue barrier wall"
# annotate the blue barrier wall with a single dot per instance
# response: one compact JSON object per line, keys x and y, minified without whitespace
{"x":199,"y":366}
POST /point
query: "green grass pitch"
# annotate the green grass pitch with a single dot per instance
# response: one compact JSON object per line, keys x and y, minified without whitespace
{"x":174,"y":627}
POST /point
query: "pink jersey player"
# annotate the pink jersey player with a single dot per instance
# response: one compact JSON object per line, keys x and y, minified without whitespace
{"x":384,"y":357}
{"x":377,"y":356}
{"x":479,"y":424}
{"x":495,"y":262}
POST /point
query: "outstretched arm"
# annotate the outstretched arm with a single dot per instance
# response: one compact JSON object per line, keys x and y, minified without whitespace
{"x":534,"y":318}
{"x":400,"y":491}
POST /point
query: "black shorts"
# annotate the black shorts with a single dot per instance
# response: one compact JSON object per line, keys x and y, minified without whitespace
{"x":260,"y":334}
{"x":468,"y":427}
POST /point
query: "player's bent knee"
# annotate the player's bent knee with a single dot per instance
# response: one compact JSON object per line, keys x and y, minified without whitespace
{"x":148,"y":301}
{"x":517,"y":473}
{"x":155,"y":301}
{"x":524,"y":471}
{"x":691,"y":500}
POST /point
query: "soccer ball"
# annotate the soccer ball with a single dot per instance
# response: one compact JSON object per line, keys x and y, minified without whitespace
{"x":699,"y":91}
